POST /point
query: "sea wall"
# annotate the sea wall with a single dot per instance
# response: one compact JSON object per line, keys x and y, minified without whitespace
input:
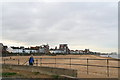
{"x":43,"y":70}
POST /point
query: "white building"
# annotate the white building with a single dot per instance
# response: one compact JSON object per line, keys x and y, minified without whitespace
{"x":15,"y":50}
{"x":76,"y":51}
{"x":21,"y":50}
{"x":44,"y":49}
{"x":57,"y":51}
{"x":41,"y":50}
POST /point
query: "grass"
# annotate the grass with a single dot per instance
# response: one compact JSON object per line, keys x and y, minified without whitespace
{"x":55,"y":76}
{"x":36,"y":73}
{"x":8,"y":74}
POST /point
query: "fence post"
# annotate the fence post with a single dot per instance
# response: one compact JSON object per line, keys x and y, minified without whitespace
{"x":87,"y":67}
{"x":40,"y":61}
{"x":108,"y":67}
{"x":55,"y":62}
{"x":18,"y":61}
{"x":70,"y":63}
{"x":4,"y":61}
{"x":36,"y":62}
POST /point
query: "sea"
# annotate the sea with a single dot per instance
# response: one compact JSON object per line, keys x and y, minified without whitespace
{"x":116,"y":56}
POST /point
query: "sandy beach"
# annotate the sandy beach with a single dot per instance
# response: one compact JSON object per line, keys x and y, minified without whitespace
{"x":83,"y":71}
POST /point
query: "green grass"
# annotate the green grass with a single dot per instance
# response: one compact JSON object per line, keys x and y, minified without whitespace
{"x":8,"y":74}
{"x":36,"y":73}
{"x":55,"y":76}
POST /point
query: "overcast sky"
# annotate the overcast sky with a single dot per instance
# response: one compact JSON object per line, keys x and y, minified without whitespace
{"x":81,"y":25}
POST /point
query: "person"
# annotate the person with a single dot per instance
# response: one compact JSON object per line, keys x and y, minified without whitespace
{"x":31,"y":60}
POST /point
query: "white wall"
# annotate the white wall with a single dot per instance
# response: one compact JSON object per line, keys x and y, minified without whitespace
{"x":57,"y":51}
{"x":42,"y":50}
{"x":21,"y":51}
{"x":16,"y":50}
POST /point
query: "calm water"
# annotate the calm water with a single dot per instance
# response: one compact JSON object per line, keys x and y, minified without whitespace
{"x":112,"y":56}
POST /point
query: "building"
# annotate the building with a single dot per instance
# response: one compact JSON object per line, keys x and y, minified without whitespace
{"x":1,"y":48}
{"x":76,"y":51}
{"x":34,"y":49}
{"x":64,"y":47}
{"x":16,"y":49}
{"x":37,"y":49}
{"x":30,"y":50}
{"x":44,"y":49}
{"x":81,"y":51}
{"x":4,"y":50}
{"x":86,"y":51}
{"x":72,"y":52}
{"x":23,"y":50}
{"x":56,"y":51}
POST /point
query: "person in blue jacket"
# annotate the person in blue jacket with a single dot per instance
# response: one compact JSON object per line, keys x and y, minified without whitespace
{"x":31,"y":60}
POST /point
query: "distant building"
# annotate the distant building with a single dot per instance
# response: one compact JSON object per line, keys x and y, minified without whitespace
{"x":76,"y":51}
{"x":56,"y":51}
{"x":81,"y":51}
{"x":34,"y":49}
{"x":22,"y":50}
{"x":64,"y":47}
{"x":72,"y":52}
{"x":44,"y":49}
{"x":4,"y":50}
{"x":30,"y":50}
{"x":1,"y":48}
{"x":86,"y":51}
{"x":37,"y":49}
{"x":16,"y":49}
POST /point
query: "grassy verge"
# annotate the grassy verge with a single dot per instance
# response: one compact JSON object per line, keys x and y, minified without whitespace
{"x":8,"y":74}
{"x":56,"y":76}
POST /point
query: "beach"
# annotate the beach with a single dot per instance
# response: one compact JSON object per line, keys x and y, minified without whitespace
{"x":83,"y":71}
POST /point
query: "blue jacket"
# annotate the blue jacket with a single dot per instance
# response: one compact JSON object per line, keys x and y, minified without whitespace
{"x":31,"y":60}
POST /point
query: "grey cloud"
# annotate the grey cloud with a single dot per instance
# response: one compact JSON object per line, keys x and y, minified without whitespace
{"x":54,"y":23}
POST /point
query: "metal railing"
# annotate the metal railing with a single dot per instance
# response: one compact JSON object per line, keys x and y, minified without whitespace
{"x":56,"y":61}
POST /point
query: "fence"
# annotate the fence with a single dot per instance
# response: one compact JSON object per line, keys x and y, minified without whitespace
{"x":71,"y":63}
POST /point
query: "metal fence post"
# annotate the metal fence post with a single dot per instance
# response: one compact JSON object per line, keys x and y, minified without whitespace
{"x":36,"y":62}
{"x":55,"y":62}
{"x":108,"y":67}
{"x":70,"y":63}
{"x":18,"y":61}
{"x":4,"y":61}
{"x":40,"y":61}
{"x":87,"y":67}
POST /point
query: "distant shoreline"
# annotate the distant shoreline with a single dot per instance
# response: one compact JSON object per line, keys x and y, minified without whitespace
{"x":111,"y":56}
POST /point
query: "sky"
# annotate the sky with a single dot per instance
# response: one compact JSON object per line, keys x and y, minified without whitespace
{"x":81,"y":25}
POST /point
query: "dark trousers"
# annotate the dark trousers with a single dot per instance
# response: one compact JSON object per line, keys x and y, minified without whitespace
{"x":30,"y":63}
